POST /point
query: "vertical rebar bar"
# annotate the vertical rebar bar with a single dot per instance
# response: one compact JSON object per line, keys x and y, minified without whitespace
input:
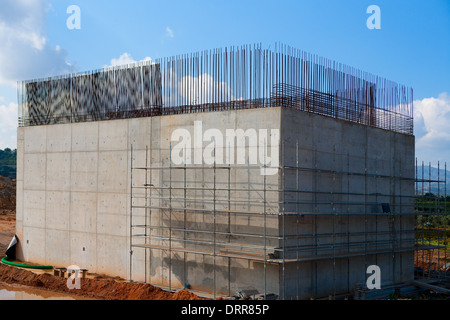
{"x":236,"y":77}
{"x":170,"y":219}
{"x":146,"y":212}
{"x":131,"y":212}
{"x":214,"y":228}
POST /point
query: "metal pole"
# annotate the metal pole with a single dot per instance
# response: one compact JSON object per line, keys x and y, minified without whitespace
{"x":229,"y":227}
{"x":146,"y":210}
{"x":283,"y":215}
{"x":131,"y":214}
{"x":184,"y":220}
{"x":265,"y":227}
{"x":214,"y":228}
{"x":170,"y":220}
{"x":297,"y":212}
{"x":438,"y":224}
{"x":444,"y":222}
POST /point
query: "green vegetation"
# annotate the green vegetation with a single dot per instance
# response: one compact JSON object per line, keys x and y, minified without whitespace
{"x":431,"y":203}
{"x":433,"y":210}
{"x":8,"y":160}
{"x":433,"y":221}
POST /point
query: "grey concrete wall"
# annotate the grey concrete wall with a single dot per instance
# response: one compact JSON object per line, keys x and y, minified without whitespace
{"x":73,"y":198}
{"x":352,"y":169}
{"x":73,"y":201}
{"x":74,"y":204}
{"x":214,"y":230}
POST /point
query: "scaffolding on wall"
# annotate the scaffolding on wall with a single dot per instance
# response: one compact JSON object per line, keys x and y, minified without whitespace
{"x":432,"y":223}
{"x":287,"y":225}
{"x":168,"y":235}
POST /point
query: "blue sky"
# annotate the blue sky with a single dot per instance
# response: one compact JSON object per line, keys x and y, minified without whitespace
{"x":412,"y":47}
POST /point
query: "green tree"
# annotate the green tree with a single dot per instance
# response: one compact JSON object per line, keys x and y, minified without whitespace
{"x":8,"y":160}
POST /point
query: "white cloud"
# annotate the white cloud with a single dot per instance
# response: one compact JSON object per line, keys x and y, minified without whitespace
{"x":25,"y":50}
{"x":432,"y":130}
{"x":169,"y":33}
{"x":190,"y":87}
{"x":8,"y":125}
{"x":8,"y":117}
{"x":124,"y":59}
{"x":25,"y":53}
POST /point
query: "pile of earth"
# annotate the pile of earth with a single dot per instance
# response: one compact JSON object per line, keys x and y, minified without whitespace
{"x":7,"y":195}
{"x":108,"y":289}
{"x":104,"y":289}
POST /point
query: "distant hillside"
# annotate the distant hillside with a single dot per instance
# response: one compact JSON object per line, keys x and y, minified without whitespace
{"x":433,"y":174}
{"x":8,"y":159}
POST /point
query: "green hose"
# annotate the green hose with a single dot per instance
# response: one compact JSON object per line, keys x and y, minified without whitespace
{"x":5,"y":261}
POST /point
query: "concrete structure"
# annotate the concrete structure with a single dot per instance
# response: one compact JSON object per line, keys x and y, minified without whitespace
{"x":245,"y":168}
{"x":90,"y":193}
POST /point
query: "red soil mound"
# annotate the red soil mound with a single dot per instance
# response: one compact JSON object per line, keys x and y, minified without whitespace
{"x":92,"y":288}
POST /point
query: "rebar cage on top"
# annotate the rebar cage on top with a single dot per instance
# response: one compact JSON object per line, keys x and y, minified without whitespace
{"x":230,"y":78}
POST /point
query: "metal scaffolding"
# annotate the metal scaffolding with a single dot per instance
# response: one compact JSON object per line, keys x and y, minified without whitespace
{"x":432,"y":223}
{"x":228,"y":214}
{"x":203,"y":210}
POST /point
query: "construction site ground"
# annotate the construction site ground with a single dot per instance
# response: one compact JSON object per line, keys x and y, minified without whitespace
{"x":95,"y":286}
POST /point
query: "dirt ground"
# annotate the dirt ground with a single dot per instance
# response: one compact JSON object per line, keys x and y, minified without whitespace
{"x":7,"y":212}
{"x":107,"y":289}
{"x":433,"y":260}
{"x":94,"y":286}
{"x":7,"y":229}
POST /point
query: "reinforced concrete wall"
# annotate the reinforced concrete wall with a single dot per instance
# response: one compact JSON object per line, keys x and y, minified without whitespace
{"x":74,"y":204}
{"x":337,"y":177}
{"x":73,"y":183}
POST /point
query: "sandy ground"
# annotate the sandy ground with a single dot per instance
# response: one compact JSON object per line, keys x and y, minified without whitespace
{"x":106,"y":289}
